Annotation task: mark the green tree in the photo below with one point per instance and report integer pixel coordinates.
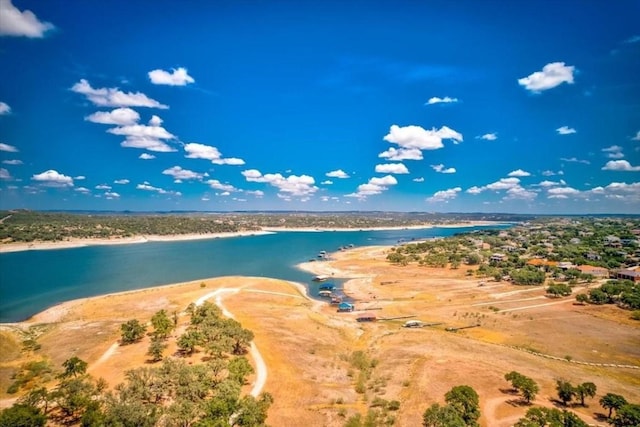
(541, 417)
(465, 401)
(238, 369)
(20, 415)
(584, 390)
(627, 416)
(73, 367)
(566, 392)
(523, 384)
(161, 323)
(612, 401)
(132, 331)
(582, 298)
(442, 416)
(559, 290)
(156, 348)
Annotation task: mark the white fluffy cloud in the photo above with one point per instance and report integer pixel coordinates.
(53, 178)
(119, 116)
(637, 137)
(178, 77)
(180, 174)
(396, 168)
(338, 173)
(503, 184)
(419, 179)
(4, 174)
(620, 165)
(142, 131)
(565, 130)
(519, 172)
(121, 181)
(103, 187)
(511, 186)
(375, 186)
(488, 136)
(146, 186)
(114, 97)
(292, 186)
(82, 190)
(8, 148)
(327, 182)
(217, 185)
(395, 154)
(441, 169)
(417, 137)
(146, 156)
(562, 192)
(614, 152)
(13, 22)
(445, 195)
(575, 160)
(437, 100)
(110, 195)
(552, 75)
(147, 143)
(4, 108)
(12, 162)
(200, 151)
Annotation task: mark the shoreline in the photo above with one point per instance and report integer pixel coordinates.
(79, 243)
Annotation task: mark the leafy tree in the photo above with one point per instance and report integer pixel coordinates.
(465, 401)
(132, 331)
(612, 401)
(582, 298)
(238, 369)
(161, 323)
(442, 416)
(188, 342)
(156, 348)
(541, 417)
(584, 390)
(252, 411)
(566, 392)
(627, 416)
(559, 289)
(523, 384)
(21, 415)
(73, 367)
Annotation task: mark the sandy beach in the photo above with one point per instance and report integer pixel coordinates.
(78, 243)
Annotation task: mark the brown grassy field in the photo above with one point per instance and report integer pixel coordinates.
(306, 344)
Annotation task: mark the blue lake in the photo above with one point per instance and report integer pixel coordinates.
(32, 281)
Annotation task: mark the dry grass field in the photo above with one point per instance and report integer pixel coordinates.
(307, 345)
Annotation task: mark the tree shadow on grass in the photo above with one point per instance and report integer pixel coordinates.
(518, 403)
(509, 391)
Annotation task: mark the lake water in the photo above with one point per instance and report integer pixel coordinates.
(32, 281)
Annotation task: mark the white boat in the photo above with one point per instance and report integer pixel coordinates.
(321, 278)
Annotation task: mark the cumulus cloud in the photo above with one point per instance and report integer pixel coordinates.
(488, 136)
(614, 152)
(121, 181)
(511, 186)
(441, 169)
(395, 154)
(256, 193)
(110, 195)
(200, 151)
(520, 193)
(396, 168)
(180, 174)
(445, 195)
(338, 173)
(503, 184)
(8, 148)
(146, 186)
(637, 137)
(178, 77)
(437, 100)
(103, 187)
(13, 22)
(114, 97)
(146, 156)
(374, 186)
(327, 182)
(4, 108)
(519, 172)
(147, 143)
(565, 130)
(5, 175)
(575, 160)
(547, 183)
(419, 138)
(552, 75)
(119, 116)
(292, 186)
(551, 173)
(82, 190)
(419, 179)
(620, 165)
(79, 177)
(142, 131)
(12, 162)
(562, 192)
(53, 178)
(217, 185)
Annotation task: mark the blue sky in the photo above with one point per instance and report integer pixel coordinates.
(465, 106)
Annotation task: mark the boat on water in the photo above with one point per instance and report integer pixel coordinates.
(325, 294)
(336, 299)
(321, 278)
(328, 287)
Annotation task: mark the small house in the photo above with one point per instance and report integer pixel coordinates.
(366, 317)
(345, 307)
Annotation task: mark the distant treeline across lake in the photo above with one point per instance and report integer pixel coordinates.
(32, 281)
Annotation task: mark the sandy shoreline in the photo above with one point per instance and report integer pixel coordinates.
(78, 243)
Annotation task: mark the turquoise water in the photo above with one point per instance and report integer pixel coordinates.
(32, 281)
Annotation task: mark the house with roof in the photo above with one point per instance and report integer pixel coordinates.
(597, 272)
(632, 274)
